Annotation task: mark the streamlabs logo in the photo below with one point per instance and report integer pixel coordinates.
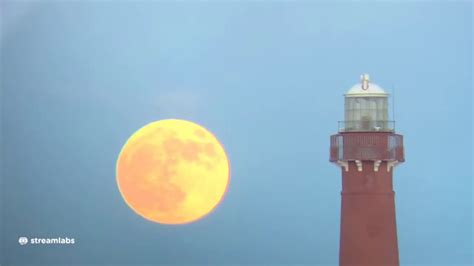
(46, 241)
(23, 240)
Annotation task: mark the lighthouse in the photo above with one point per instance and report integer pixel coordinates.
(367, 149)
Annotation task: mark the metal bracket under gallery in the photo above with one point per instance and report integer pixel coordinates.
(376, 164)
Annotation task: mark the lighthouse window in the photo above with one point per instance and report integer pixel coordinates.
(366, 113)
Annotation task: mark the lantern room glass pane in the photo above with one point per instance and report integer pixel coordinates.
(366, 113)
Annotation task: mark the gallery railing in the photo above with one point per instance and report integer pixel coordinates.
(366, 125)
(366, 146)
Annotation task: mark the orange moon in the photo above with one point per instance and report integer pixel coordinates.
(172, 172)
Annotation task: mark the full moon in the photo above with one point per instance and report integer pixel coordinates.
(172, 172)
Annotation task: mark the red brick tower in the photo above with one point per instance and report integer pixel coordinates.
(367, 149)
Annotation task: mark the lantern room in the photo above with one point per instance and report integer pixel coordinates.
(366, 108)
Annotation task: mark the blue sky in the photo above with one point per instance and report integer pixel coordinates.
(267, 78)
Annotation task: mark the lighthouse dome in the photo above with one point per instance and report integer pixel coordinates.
(366, 89)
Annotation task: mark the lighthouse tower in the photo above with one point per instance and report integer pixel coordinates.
(367, 149)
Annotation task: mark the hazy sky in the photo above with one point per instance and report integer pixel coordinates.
(267, 78)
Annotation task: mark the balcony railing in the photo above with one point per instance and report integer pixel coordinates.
(366, 125)
(366, 146)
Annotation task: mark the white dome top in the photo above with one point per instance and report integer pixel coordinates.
(366, 89)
